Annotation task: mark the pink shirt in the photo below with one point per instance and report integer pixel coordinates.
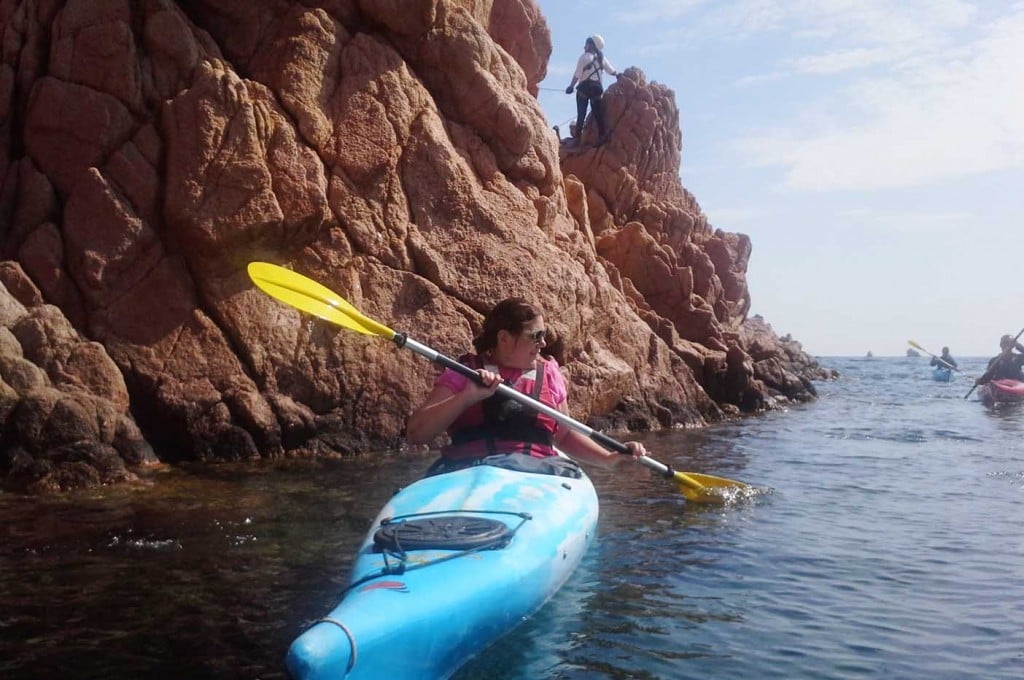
(552, 378)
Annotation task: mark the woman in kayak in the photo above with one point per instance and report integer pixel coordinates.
(481, 422)
(1007, 364)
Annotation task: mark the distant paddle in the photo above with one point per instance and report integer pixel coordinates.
(934, 356)
(303, 293)
(988, 372)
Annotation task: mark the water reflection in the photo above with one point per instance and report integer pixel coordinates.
(890, 549)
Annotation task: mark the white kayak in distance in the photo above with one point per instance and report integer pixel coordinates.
(452, 563)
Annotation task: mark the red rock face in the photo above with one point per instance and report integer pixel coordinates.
(393, 151)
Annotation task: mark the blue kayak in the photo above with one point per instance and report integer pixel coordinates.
(942, 374)
(452, 563)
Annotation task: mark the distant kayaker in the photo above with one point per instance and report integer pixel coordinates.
(1007, 364)
(589, 89)
(944, 361)
(482, 423)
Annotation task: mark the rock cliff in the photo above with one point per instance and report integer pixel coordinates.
(392, 150)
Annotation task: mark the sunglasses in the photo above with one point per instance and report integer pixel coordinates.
(538, 335)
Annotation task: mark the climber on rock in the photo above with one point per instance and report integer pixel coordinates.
(587, 81)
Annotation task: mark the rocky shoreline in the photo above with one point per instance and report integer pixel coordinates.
(399, 157)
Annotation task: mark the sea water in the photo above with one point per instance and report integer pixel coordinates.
(891, 547)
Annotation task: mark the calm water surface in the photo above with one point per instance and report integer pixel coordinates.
(891, 548)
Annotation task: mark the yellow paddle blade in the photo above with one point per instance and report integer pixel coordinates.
(314, 307)
(917, 346)
(711, 490)
(307, 295)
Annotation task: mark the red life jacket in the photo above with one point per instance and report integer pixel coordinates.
(502, 425)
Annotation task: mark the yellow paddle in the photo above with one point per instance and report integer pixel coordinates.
(944, 363)
(311, 297)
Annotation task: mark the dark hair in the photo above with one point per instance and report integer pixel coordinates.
(598, 52)
(511, 314)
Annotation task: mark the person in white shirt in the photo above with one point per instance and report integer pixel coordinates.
(587, 81)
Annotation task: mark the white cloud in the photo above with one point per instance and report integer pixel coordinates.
(889, 94)
(878, 22)
(937, 115)
(656, 11)
(835, 22)
(740, 20)
(845, 60)
(932, 224)
(732, 216)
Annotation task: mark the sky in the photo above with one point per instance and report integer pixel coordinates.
(873, 152)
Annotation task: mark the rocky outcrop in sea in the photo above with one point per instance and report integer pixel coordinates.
(393, 151)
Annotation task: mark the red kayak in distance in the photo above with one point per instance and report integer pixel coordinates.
(1001, 392)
